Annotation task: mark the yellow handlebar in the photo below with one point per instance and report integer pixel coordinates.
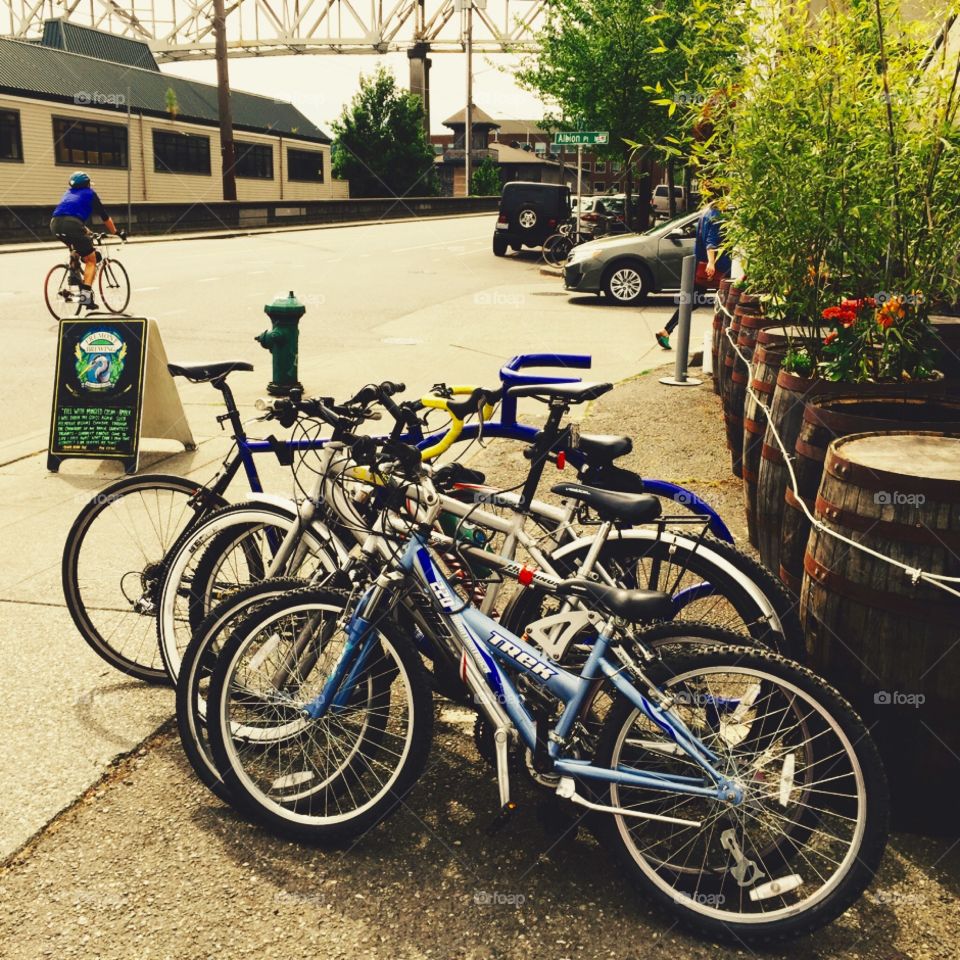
(434, 402)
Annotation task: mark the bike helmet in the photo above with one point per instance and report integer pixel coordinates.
(78, 180)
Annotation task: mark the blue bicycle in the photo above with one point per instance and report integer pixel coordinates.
(738, 789)
(117, 551)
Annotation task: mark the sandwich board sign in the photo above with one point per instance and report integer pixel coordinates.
(111, 387)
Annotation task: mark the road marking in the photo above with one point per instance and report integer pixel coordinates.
(209, 279)
(437, 243)
(145, 289)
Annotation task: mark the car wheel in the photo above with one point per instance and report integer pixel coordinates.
(527, 218)
(626, 284)
(499, 247)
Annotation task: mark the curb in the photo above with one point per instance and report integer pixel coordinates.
(245, 232)
(551, 272)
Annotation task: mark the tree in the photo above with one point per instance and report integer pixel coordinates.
(594, 64)
(379, 142)
(485, 180)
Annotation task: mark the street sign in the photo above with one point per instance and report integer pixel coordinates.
(582, 138)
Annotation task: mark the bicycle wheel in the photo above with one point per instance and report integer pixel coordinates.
(808, 834)
(230, 548)
(197, 665)
(114, 285)
(57, 295)
(710, 582)
(112, 561)
(334, 776)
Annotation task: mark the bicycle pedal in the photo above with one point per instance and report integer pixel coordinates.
(500, 820)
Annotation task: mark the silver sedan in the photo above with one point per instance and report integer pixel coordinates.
(628, 268)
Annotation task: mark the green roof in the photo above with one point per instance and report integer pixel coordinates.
(73, 38)
(34, 70)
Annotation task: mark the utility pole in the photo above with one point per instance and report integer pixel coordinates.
(468, 131)
(227, 152)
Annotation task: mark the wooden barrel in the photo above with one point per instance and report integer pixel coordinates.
(829, 418)
(731, 328)
(752, 321)
(789, 399)
(723, 292)
(729, 363)
(888, 642)
(770, 350)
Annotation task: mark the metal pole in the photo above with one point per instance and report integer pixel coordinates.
(468, 130)
(579, 185)
(129, 161)
(687, 275)
(227, 153)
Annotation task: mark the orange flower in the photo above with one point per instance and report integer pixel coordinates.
(830, 337)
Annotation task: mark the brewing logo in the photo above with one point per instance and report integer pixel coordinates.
(100, 355)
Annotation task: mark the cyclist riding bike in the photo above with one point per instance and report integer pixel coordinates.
(68, 224)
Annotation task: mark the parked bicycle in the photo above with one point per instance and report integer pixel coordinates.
(556, 248)
(61, 288)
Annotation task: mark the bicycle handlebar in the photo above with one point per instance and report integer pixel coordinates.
(509, 371)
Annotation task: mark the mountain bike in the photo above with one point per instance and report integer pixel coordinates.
(116, 548)
(736, 788)
(61, 287)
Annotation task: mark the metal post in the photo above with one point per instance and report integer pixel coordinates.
(687, 293)
(129, 163)
(227, 150)
(579, 185)
(468, 131)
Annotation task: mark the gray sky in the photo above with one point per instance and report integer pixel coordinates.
(320, 85)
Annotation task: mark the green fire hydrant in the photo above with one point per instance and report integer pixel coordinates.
(282, 340)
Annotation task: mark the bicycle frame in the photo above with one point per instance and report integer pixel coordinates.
(485, 648)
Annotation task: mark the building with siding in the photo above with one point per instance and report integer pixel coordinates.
(84, 99)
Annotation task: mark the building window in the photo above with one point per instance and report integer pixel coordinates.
(599, 186)
(540, 149)
(586, 165)
(11, 146)
(615, 186)
(180, 153)
(601, 166)
(615, 166)
(305, 165)
(254, 160)
(82, 143)
(554, 149)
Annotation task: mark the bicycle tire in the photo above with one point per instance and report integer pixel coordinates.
(115, 295)
(836, 722)
(306, 816)
(57, 306)
(197, 665)
(751, 590)
(235, 521)
(140, 659)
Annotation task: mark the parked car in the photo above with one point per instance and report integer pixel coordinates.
(628, 268)
(660, 200)
(603, 215)
(529, 213)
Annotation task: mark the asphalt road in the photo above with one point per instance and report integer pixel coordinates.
(415, 301)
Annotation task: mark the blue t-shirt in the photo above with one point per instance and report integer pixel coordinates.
(80, 203)
(710, 236)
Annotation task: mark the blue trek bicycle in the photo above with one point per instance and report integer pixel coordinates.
(736, 788)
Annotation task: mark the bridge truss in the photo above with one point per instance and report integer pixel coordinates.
(183, 29)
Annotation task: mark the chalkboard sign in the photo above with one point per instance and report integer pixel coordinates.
(98, 390)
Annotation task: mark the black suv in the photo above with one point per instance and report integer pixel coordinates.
(529, 213)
